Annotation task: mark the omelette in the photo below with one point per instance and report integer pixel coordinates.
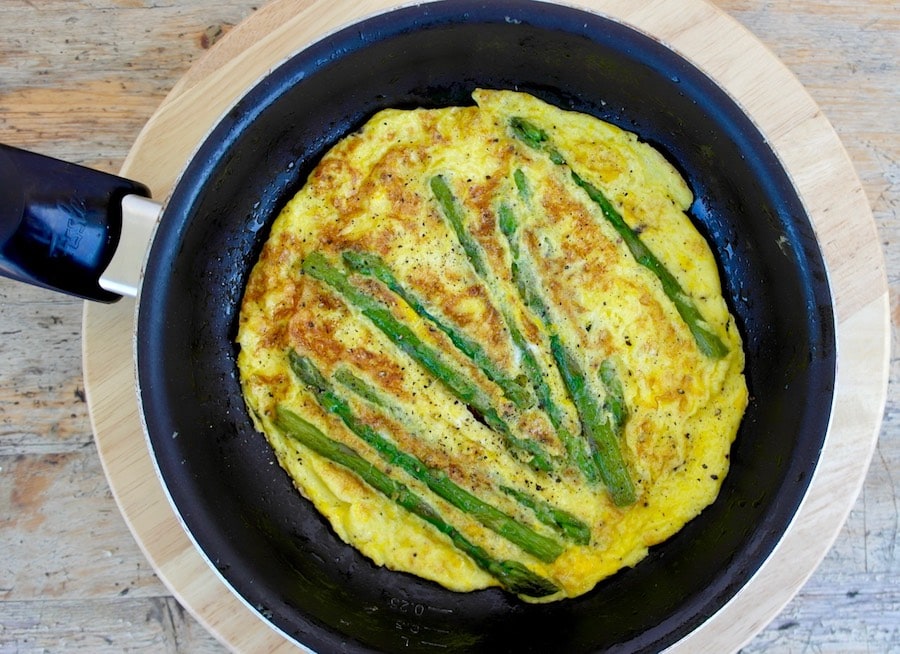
(490, 347)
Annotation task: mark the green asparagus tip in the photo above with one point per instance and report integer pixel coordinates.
(518, 579)
(454, 215)
(306, 371)
(562, 521)
(360, 387)
(710, 344)
(507, 220)
(614, 403)
(312, 261)
(528, 131)
(536, 138)
(366, 264)
(522, 184)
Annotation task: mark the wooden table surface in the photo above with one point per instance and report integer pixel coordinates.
(79, 78)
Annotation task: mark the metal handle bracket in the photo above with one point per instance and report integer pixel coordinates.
(139, 218)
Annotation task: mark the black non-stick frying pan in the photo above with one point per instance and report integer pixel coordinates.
(242, 511)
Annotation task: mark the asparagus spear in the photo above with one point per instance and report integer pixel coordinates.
(525, 284)
(512, 575)
(453, 214)
(708, 342)
(522, 184)
(597, 424)
(373, 266)
(563, 522)
(361, 388)
(318, 267)
(544, 548)
(448, 203)
(536, 138)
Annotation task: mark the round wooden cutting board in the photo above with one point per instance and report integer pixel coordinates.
(728, 53)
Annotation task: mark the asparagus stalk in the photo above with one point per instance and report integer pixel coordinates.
(372, 265)
(597, 424)
(318, 267)
(563, 522)
(536, 138)
(362, 389)
(708, 342)
(544, 548)
(524, 282)
(453, 214)
(512, 575)
(522, 184)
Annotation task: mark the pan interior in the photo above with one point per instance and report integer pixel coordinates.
(268, 543)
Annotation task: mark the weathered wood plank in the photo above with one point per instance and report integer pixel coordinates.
(151, 624)
(80, 79)
(40, 347)
(63, 536)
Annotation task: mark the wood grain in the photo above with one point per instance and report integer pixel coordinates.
(79, 80)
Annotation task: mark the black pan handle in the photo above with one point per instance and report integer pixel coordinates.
(60, 223)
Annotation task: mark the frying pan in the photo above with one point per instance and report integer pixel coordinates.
(266, 541)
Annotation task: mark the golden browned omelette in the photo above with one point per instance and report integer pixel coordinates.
(489, 346)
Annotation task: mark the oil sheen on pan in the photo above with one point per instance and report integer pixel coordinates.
(488, 344)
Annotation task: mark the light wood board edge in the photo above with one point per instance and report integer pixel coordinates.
(800, 135)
